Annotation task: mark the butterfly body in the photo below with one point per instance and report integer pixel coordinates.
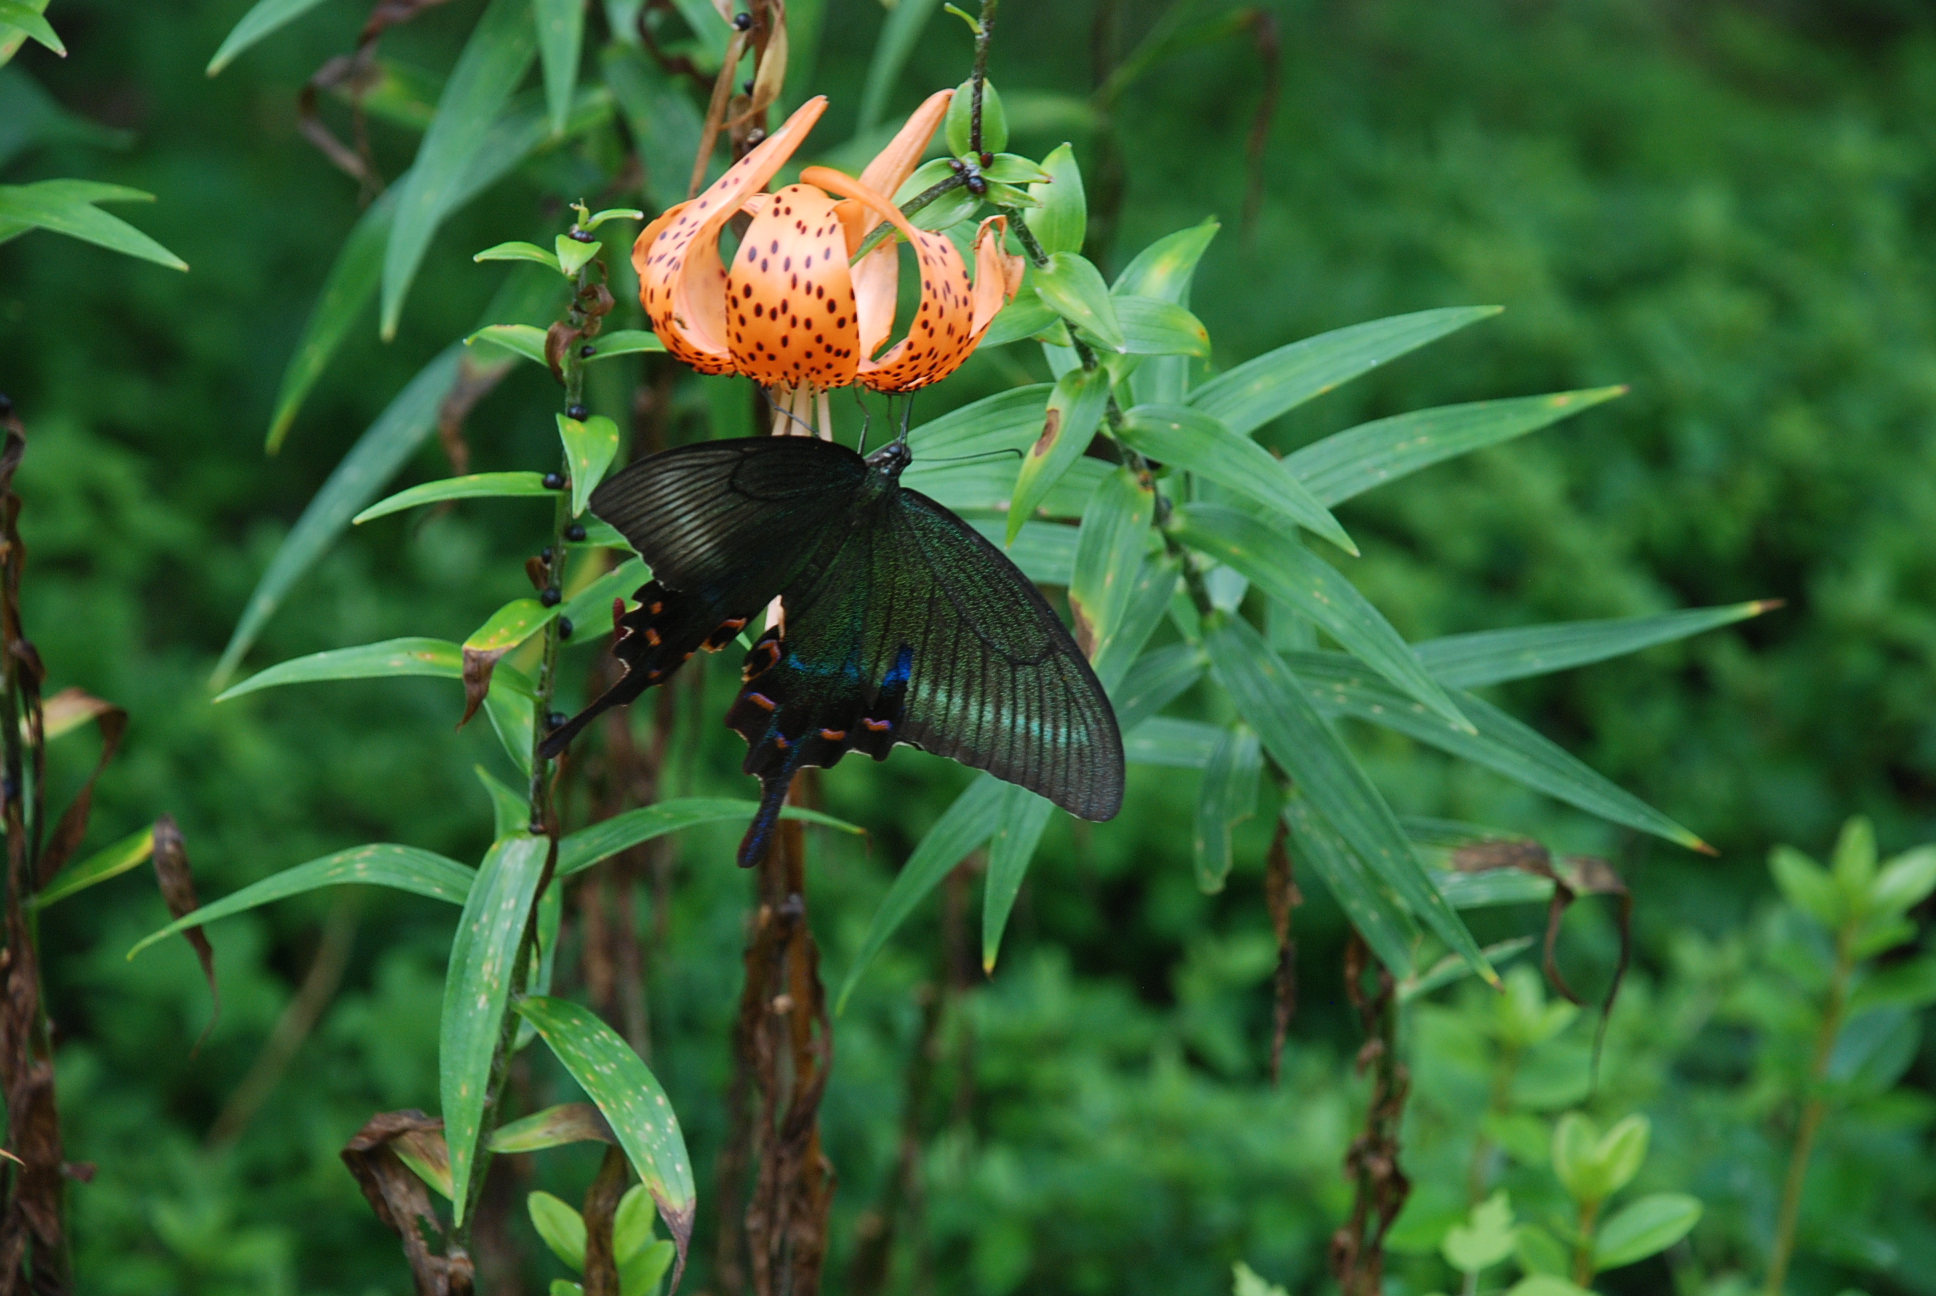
(900, 623)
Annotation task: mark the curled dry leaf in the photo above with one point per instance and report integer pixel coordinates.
(177, 886)
(1573, 877)
(68, 833)
(399, 1200)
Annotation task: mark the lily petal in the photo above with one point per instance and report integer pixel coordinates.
(681, 281)
(941, 334)
(790, 297)
(998, 274)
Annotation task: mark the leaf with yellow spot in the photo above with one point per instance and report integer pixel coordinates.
(1069, 424)
(1075, 289)
(590, 447)
(629, 1097)
(477, 988)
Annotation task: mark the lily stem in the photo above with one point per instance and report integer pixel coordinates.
(544, 818)
(1113, 415)
(985, 29)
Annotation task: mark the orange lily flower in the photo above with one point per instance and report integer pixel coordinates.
(792, 313)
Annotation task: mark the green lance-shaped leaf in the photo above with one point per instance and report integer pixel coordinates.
(130, 852)
(519, 250)
(969, 822)
(1259, 390)
(1008, 420)
(1227, 794)
(1163, 270)
(590, 607)
(1025, 317)
(477, 990)
(404, 868)
(621, 342)
(590, 447)
(1069, 425)
(1504, 886)
(1061, 223)
(1159, 328)
(1340, 686)
(510, 626)
(899, 33)
(1109, 555)
(265, 18)
(354, 276)
(608, 837)
(1643, 1228)
(1284, 569)
(510, 811)
(13, 38)
(1172, 742)
(630, 1099)
(1149, 600)
(1349, 463)
(987, 485)
(67, 207)
(1274, 702)
(494, 485)
(512, 707)
(1023, 819)
(495, 58)
(573, 255)
(391, 657)
(27, 19)
(1045, 552)
(1199, 443)
(1076, 290)
(382, 449)
(1367, 899)
(1157, 679)
(1494, 656)
(561, 1228)
(561, 36)
(553, 1127)
(527, 340)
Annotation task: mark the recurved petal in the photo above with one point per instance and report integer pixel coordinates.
(998, 274)
(681, 282)
(876, 289)
(894, 164)
(941, 334)
(790, 298)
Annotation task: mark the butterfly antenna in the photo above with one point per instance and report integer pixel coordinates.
(866, 419)
(907, 416)
(984, 454)
(774, 405)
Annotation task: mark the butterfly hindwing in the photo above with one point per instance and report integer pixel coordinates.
(998, 683)
(915, 629)
(724, 526)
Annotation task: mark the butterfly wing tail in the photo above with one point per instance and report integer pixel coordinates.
(626, 690)
(759, 833)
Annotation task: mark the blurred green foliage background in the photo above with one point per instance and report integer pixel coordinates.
(1730, 206)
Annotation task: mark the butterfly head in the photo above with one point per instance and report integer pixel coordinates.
(891, 459)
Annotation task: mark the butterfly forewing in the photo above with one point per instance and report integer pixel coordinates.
(724, 526)
(997, 681)
(730, 511)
